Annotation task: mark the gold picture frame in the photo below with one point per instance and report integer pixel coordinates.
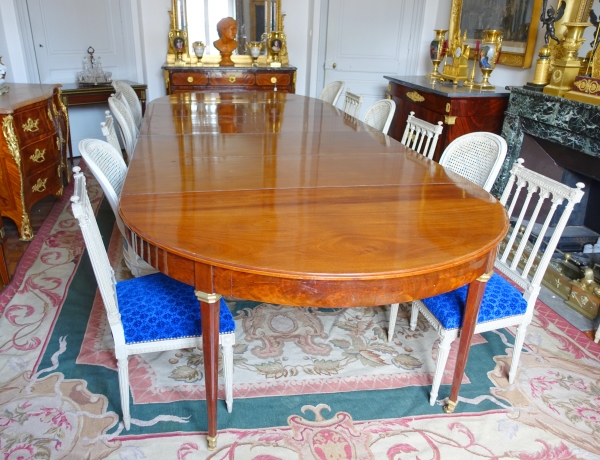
(519, 55)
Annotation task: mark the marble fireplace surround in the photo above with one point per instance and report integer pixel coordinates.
(573, 124)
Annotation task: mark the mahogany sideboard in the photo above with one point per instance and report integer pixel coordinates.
(72, 94)
(182, 79)
(32, 150)
(462, 110)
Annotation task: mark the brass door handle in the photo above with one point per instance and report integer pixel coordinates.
(334, 65)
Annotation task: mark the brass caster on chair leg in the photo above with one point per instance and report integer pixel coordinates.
(449, 407)
(212, 442)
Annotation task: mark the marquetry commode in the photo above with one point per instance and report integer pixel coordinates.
(32, 150)
(181, 79)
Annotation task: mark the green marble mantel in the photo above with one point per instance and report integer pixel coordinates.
(575, 125)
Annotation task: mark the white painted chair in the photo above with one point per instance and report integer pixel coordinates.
(167, 310)
(331, 93)
(352, 103)
(126, 124)
(476, 156)
(133, 101)
(108, 130)
(110, 170)
(421, 136)
(518, 259)
(380, 115)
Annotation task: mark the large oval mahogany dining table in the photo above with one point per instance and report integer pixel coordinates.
(284, 199)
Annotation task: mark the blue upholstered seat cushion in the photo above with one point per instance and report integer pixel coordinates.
(156, 307)
(500, 300)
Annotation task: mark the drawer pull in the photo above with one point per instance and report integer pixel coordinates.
(40, 186)
(273, 80)
(190, 79)
(232, 78)
(31, 126)
(38, 156)
(414, 96)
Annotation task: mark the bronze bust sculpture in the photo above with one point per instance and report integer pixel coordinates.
(227, 29)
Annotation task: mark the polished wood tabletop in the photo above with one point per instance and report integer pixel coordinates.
(282, 198)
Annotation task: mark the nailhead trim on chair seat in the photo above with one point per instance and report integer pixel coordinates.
(500, 300)
(143, 305)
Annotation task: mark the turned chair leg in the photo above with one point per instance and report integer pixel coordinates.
(519, 339)
(123, 365)
(443, 352)
(414, 316)
(227, 342)
(392, 323)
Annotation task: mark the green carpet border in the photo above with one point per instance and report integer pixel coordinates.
(248, 413)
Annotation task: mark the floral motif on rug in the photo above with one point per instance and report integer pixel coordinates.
(558, 386)
(466, 436)
(31, 303)
(53, 418)
(284, 351)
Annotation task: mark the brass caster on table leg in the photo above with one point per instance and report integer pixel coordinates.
(212, 442)
(449, 408)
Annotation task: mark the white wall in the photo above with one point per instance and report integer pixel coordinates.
(154, 19)
(301, 26)
(10, 43)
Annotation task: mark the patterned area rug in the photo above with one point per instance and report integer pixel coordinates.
(308, 383)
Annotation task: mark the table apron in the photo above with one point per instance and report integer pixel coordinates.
(312, 292)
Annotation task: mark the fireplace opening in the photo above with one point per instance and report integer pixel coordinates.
(569, 167)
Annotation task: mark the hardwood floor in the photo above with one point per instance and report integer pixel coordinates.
(13, 246)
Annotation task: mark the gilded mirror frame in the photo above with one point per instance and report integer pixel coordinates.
(179, 19)
(507, 58)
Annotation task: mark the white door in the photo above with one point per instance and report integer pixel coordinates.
(367, 39)
(62, 31)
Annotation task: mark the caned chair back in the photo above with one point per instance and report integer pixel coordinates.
(133, 101)
(110, 171)
(331, 93)
(352, 104)
(421, 136)
(108, 167)
(476, 156)
(108, 130)
(520, 257)
(125, 122)
(380, 115)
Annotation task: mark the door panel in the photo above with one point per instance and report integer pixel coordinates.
(369, 39)
(63, 30)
